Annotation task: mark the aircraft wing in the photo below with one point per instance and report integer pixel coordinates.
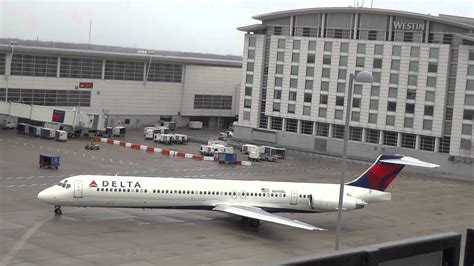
(260, 214)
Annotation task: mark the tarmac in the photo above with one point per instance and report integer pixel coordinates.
(30, 233)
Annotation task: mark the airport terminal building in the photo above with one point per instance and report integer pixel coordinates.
(132, 87)
(295, 75)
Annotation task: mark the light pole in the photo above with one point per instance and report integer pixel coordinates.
(12, 45)
(151, 53)
(363, 77)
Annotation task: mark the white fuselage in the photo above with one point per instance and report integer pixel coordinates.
(183, 193)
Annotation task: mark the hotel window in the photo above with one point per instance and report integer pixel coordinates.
(430, 96)
(295, 58)
(415, 52)
(360, 61)
(293, 83)
(338, 114)
(390, 121)
(311, 58)
(292, 96)
(322, 112)
(247, 103)
(344, 47)
(396, 50)
(408, 141)
(413, 66)
(373, 119)
(374, 105)
(294, 70)
(392, 106)
(468, 100)
(408, 122)
(250, 66)
(376, 76)
(356, 103)
(427, 124)
(466, 129)
(470, 70)
(307, 127)
(338, 132)
(322, 129)
(323, 99)
(361, 48)
(410, 108)
(395, 64)
(280, 56)
(372, 136)
(326, 73)
(468, 114)
(296, 44)
(312, 45)
(276, 107)
(412, 80)
(408, 36)
(276, 125)
(429, 110)
(434, 52)
(343, 61)
(326, 60)
(390, 138)
(339, 100)
(411, 94)
(327, 46)
(471, 55)
(249, 79)
(308, 85)
(277, 94)
(393, 78)
(279, 69)
(308, 97)
(278, 81)
(309, 71)
(324, 86)
(291, 108)
(251, 54)
(358, 89)
(392, 92)
(378, 49)
(252, 41)
(374, 91)
(306, 110)
(433, 68)
(342, 74)
(248, 91)
(281, 43)
(377, 63)
(470, 85)
(431, 82)
(341, 87)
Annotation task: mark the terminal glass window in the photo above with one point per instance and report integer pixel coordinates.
(307, 127)
(396, 50)
(2, 63)
(434, 52)
(216, 102)
(355, 133)
(408, 141)
(123, 70)
(82, 68)
(390, 138)
(160, 72)
(378, 49)
(427, 143)
(64, 98)
(291, 125)
(277, 123)
(338, 132)
(34, 65)
(372, 136)
(322, 129)
(344, 47)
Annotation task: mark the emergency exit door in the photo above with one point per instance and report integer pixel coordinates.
(294, 198)
(78, 189)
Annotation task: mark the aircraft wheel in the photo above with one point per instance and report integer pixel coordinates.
(57, 210)
(254, 222)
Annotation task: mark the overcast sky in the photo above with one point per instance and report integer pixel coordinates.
(206, 26)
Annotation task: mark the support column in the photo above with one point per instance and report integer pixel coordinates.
(144, 71)
(103, 69)
(269, 122)
(298, 130)
(314, 128)
(381, 137)
(8, 64)
(323, 24)
(331, 128)
(390, 28)
(417, 142)
(283, 124)
(58, 67)
(399, 139)
(364, 134)
(436, 148)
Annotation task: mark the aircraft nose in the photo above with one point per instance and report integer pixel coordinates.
(46, 195)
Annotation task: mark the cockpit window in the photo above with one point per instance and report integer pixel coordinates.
(60, 184)
(68, 185)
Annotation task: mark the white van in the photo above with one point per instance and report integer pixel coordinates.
(150, 133)
(245, 148)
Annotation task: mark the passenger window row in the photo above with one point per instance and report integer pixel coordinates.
(123, 190)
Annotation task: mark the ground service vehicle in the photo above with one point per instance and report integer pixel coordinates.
(245, 148)
(181, 139)
(22, 128)
(226, 157)
(92, 146)
(280, 153)
(165, 138)
(49, 161)
(197, 125)
(150, 132)
(61, 135)
(119, 131)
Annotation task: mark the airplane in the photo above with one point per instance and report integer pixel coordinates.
(252, 200)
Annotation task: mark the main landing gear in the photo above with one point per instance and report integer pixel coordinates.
(57, 210)
(251, 222)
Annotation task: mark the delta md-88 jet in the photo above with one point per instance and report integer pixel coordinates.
(252, 200)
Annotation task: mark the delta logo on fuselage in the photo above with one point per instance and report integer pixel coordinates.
(117, 184)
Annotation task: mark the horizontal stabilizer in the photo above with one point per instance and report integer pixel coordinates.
(405, 160)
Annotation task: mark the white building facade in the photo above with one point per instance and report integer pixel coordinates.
(181, 87)
(295, 75)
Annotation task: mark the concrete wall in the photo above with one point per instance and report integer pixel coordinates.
(358, 150)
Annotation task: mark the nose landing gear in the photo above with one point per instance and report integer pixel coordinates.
(57, 210)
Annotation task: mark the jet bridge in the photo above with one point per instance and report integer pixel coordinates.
(48, 114)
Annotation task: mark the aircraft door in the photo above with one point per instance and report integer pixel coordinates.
(78, 189)
(294, 197)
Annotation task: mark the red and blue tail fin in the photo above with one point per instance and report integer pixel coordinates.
(385, 169)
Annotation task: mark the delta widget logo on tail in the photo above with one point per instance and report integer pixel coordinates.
(93, 184)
